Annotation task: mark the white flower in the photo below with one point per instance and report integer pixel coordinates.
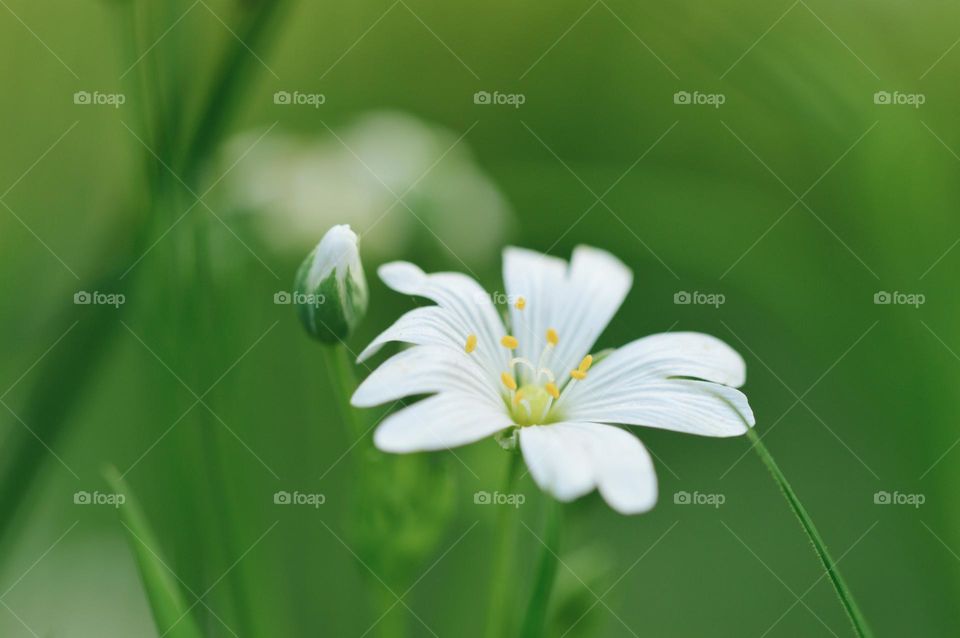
(293, 187)
(541, 378)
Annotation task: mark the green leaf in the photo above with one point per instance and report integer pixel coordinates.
(171, 613)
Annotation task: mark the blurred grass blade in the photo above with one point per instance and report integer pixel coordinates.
(170, 611)
(839, 585)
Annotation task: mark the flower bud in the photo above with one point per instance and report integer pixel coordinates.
(330, 291)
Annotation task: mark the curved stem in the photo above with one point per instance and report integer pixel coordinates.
(534, 625)
(503, 553)
(843, 592)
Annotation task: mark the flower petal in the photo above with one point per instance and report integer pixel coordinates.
(681, 405)
(443, 421)
(425, 370)
(466, 309)
(577, 301)
(427, 325)
(569, 459)
(672, 354)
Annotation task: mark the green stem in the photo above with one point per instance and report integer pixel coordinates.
(843, 592)
(393, 623)
(343, 377)
(534, 625)
(504, 552)
(224, 96)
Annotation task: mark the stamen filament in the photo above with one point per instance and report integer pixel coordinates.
(522, 361)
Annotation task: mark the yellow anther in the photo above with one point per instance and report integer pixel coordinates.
(581, 372)
(509, 342)
(471, 344)
(586, 363)
(552, 337)
(518, 397)
(508, 380)
(521, 303)
(552, 390)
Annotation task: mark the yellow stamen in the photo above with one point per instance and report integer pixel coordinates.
(586, 363)
(508, 380)
(509, 342)
(521, 304)
(471, 344)
(552, 337)
(552, 390)
(581, 372)
(517, 397)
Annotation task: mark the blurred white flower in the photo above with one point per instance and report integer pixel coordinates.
(540, 379)
(296, 187)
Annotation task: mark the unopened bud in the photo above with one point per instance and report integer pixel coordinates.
(330, 289)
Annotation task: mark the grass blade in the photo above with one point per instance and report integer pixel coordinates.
(170, 610)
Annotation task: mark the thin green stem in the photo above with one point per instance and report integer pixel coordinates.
(343, 381)
(392, 618)
(535, 622)
(223, 98)
(503, 554)
(343, 378)
(843, 592)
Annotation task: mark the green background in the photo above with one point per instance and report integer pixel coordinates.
(852, 397)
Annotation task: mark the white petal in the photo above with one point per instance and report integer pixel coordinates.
(467, 308)
(577, 301)
(439, 422)
(694, 407)
(569, 459)
(557, 460)
(422, 326)
(425, 370)
(673, 354)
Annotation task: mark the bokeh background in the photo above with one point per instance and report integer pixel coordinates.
(798, 200)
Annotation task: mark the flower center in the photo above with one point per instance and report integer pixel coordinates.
(536, 401)
(531, 404)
